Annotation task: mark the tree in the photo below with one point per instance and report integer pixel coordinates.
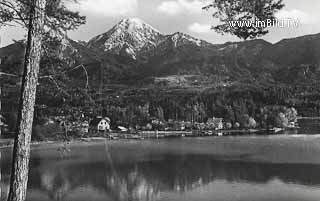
(57, 17)
(229, 11)
(160, 113)
(228, 125)
(282, 120)
(21, 151)
(244, 120)
(291, 114)
(252, 123)
(36, 16)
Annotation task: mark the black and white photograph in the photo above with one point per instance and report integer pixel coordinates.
(159, 100)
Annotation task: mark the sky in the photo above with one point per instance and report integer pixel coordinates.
(169, 16)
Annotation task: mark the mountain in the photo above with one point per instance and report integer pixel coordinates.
(129, 37)
(298, 59)
(295, 51)
(133, 51)
(134, 38)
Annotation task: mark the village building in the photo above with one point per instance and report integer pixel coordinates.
(100, 124)
(215, 123)
(2, 124)
(84, 127)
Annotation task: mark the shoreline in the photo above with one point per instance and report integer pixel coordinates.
(8, 143)
(148, 135)
(77, 142)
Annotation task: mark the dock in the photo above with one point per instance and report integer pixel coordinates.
(164, 134)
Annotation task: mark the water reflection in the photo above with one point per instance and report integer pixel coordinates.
(86, 175)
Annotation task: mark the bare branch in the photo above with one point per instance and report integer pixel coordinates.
(64, 72)
(58, 87)
(87, 76)
(8, 74)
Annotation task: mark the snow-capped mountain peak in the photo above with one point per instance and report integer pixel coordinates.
(129, 35)
(135, 24)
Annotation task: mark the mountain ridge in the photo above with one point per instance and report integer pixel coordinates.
(134, 50)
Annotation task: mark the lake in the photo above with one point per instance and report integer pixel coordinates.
(252, 168)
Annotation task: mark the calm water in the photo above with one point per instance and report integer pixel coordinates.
(277, 168)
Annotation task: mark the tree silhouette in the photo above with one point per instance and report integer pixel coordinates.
(244, 10)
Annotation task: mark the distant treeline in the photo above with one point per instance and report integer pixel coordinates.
(265, 103)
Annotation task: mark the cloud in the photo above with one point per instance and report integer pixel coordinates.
(199, 28)
(169, 7)
(109, 8)
(295, 14)
(179, 6)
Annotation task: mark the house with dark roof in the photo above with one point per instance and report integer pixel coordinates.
(100, 124)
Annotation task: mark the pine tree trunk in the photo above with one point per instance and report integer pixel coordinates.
(21, 151)
(0, 104)
(1, 120)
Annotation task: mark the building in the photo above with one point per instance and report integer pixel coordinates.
(100, 124)
(84, 128)
(219, 123)
(2, 124)
(215, 123)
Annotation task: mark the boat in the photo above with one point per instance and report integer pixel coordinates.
(276, 130)
(253, 130)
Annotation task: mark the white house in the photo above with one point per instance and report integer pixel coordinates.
(101, 123)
